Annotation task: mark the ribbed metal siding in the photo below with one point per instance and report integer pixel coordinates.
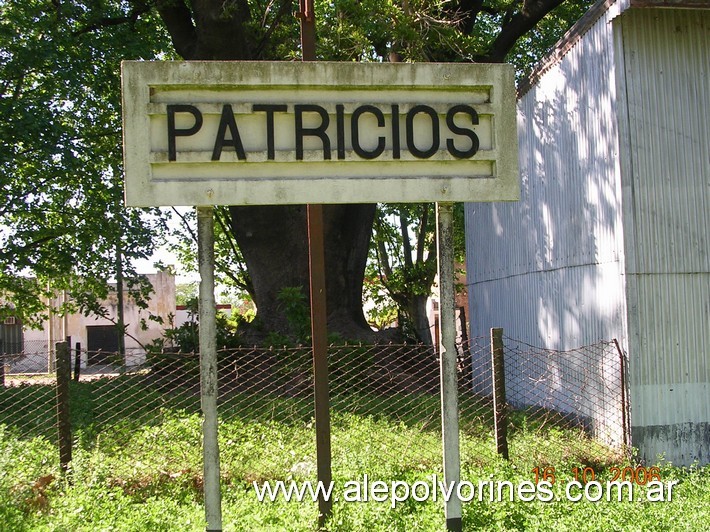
(548, 268)
(667, 59)
(667, 82)
(551, 269)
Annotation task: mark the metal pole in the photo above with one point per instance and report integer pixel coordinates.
(63, 412)
(500, 404)
(308, 30)
(624, 401)
(319, 330)
(208, 368)
(319, 334)
(447, 354)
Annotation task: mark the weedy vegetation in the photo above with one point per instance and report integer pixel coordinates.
(143, 470)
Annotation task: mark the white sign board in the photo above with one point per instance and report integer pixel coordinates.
(247, 133)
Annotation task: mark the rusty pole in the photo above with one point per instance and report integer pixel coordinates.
(63, 409)
(319, 331)
(500, 405)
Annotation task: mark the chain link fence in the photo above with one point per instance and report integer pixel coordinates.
(581, 391)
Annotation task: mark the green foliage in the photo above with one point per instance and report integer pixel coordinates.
(63, 223)
(185, 292)
(146, 473)
(297, 312)
(186, 337)
(422, 31)
(402, 264)
(230, 268)
(531, 48)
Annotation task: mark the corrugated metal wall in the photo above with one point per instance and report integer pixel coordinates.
(666, 166)
(611, 236)
(549, 268)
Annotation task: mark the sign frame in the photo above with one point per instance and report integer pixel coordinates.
(192, 178)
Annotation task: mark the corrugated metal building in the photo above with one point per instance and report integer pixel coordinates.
(611, 238)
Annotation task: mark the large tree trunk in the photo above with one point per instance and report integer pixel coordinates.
(416, 308)
(273, 239)
(274, 243)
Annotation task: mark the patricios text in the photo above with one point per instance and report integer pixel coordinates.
(366, 130)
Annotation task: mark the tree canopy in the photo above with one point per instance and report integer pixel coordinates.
(62, 222)
(62, 218)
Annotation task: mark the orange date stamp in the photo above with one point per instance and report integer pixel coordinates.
(636, 475)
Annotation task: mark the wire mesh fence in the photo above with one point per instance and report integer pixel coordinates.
(394, 389)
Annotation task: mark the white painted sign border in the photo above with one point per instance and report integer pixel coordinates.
(192, 179)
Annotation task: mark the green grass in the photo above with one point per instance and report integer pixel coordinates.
(139, 468)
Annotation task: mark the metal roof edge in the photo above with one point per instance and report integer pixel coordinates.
(570, 39)
(566, 43)
(680, 4)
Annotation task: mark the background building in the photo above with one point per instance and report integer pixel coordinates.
(98, 336)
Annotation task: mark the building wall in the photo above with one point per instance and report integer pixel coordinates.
(549, 269)
(536, 267)
(161, 303)
(10, 336)
(665, 73)
(610, 238)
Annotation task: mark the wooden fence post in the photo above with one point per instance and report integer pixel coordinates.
(500, 415)
(63, 420)
(625, 424)
(77, 362)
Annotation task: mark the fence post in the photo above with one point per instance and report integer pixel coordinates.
(626, 431)
(2, 370)
(77, 361)
(500, 415)
(63, 420)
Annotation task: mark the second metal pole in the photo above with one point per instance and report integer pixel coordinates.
(447, 354)
(319, 329)
(319, 334)
(208, 368)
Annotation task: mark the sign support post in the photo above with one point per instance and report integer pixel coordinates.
(447, 355)
(208, 368)
(319, 334)
(319, 328)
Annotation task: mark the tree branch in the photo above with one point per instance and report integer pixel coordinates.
(406, 244)
(185, 224)
(22, 250)
(105, 22)
(220, 216)
(245, 283)
(285, 8)
(421, 239)
(466, 14)
(518, 25)
(382, 257)
(222, 29)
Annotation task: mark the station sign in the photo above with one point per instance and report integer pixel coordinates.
(269, 133)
